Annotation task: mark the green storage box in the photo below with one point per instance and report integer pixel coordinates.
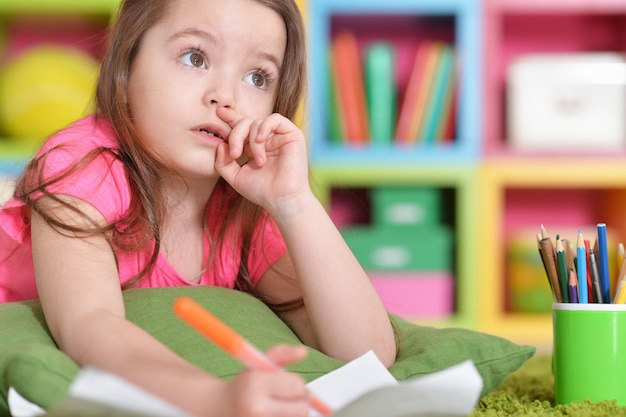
(402, 249)
(406, 206)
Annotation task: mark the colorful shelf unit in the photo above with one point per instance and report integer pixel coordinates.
(29, 23)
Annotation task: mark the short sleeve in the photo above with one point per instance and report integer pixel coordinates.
(85, 156)
(268, 246)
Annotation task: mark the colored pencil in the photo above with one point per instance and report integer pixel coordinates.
(595, 276)
(581, 268)
(617, 276)
(562, 268)
(603, 263)
(546, 249)
(590, 291)
(621, 276)
(573, 287)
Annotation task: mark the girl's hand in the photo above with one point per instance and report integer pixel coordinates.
(267, 394)
(277, 161)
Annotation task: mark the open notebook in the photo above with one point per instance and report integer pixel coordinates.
(361, 388)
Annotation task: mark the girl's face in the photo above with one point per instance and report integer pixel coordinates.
(202, 55)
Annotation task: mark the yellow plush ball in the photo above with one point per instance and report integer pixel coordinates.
(44, 89)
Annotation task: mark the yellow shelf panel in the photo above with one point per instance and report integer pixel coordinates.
(562, 172)
(59, 6)
(522, 329)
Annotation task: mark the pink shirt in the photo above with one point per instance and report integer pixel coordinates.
(103, 184)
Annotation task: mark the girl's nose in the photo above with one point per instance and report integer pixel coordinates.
(220, 92)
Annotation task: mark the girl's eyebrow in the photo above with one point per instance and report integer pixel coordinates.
(198, 33)
(270, 57)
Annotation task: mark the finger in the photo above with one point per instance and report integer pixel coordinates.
(239, 137)
(275, 394)
(292, 409)
(283, 355)
(275, 123)
(256, 144)
(227, 167)
(229, 115)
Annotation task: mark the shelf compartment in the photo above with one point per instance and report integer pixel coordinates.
(28, 24)
(352, 189)
(403, 24)
(514, 28)
(565, 195)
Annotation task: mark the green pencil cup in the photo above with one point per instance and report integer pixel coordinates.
(589, 357)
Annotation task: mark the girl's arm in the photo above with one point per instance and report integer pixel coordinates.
(82, 301)
(344, 316)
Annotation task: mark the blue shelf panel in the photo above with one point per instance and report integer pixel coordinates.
(325, 153)
(466, 18)
(11, 168)
(328, 7)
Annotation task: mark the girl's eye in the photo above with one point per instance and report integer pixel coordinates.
(194, 59)
(257, 79)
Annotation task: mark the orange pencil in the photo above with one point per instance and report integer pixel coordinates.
(232, 342)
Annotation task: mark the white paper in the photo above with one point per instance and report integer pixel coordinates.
(449, 393)
(95, 393)
(361, 388)
(365, 388)
(20, 406)
(345, 384)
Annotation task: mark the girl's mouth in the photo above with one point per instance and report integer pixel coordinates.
(207, 132)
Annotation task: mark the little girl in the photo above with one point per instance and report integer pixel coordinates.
(190, 173)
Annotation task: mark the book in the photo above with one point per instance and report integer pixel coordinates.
(447, 128)
(361, 388)
(380, 90)
(348, 75)
(439, 92)
(412, 109)
(336, 130)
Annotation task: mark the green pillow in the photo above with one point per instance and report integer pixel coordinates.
(30, 361)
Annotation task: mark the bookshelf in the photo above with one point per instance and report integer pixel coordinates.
(522, 189)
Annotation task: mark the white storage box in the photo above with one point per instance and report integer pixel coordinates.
(567, 102)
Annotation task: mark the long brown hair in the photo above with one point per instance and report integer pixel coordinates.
(144, 170)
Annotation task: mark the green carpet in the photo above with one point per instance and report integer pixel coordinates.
(529, 391)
